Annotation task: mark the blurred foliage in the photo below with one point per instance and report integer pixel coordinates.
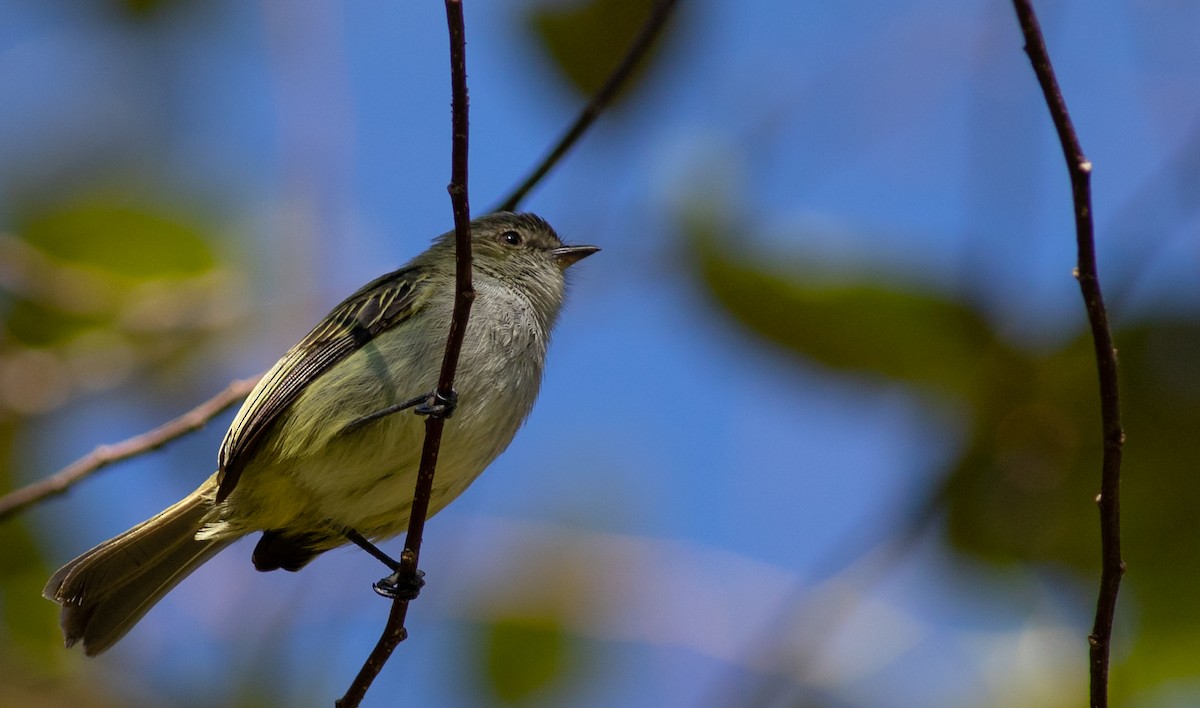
(94, 289)
(22, 576)
(143, 13)
(523, 655)
(586, 40)
(141, 8)
(915, 337)
(91, 293)
(26, 683)
(119, 237)
(526, 648)
(1022, 490)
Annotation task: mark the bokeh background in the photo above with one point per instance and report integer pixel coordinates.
(819, 425)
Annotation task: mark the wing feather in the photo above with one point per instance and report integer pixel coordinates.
(378, 306)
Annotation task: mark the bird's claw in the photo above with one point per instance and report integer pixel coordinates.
(395, 587)
(438, 405)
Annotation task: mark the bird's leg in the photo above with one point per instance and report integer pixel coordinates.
(384, 412)
(432, 403)
(399, 585)
(359, 540)
(395, 586)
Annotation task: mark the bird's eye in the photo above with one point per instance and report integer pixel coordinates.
(512, 238)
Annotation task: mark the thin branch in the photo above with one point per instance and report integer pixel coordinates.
(862, 563)
(464, 295)
(1080, 169)
(18, 500)
(637, 50)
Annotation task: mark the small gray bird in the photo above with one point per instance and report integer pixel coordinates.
(309, 461)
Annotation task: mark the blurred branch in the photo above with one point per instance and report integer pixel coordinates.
(18, 500)
(464, 295)
(641, 44)
(852, 561)
(1080, 169)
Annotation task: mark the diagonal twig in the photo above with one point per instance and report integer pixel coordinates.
(464, 294)
(1109, 501)
(637, 50)
(18, 500)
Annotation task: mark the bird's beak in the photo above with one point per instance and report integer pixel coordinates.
(569, 255)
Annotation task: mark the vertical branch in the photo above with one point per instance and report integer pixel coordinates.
(1080, 169)
(464, 294)
(637, 50)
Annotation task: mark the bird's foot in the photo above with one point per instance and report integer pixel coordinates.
(399, 587)
(438, 405)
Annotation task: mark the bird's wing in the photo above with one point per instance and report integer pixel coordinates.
(378, 306)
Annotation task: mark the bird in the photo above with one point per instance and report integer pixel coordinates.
(322, 451)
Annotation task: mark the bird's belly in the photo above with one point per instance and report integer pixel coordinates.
(364, 479)
(322, 471)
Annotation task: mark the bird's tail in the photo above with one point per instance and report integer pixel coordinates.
(105, 591)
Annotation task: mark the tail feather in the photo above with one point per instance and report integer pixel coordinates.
(105, 591)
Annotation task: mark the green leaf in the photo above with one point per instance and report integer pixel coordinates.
(524, 655)
(858, 326)
(123, 239)
(586, 40)
(88, 257)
